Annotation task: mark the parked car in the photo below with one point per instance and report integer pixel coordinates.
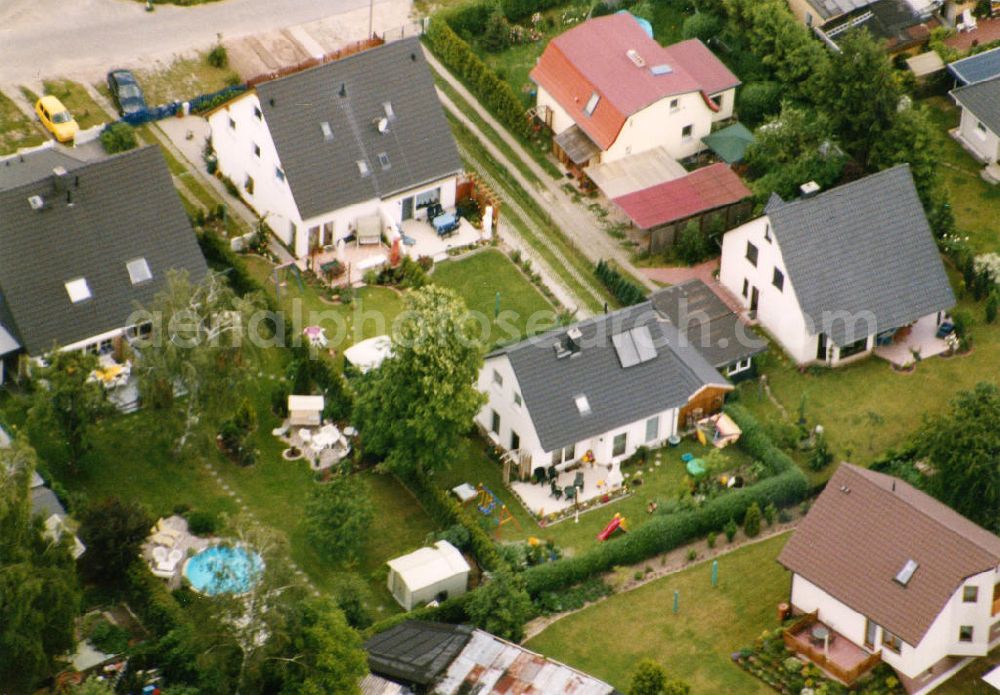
(56, 118)
(126, 92)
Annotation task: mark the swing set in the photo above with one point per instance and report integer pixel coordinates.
(488, 503)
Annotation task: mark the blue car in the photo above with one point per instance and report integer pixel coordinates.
(126, 92)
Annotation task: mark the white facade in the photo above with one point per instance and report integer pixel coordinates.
(247, 155)
(980, 140)
(506, 419)
(428, 574)
(677, 123)
(777, 309)
(946, 636)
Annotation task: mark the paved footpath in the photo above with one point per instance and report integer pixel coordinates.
(577, 223)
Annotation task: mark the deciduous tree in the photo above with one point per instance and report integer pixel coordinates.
(338, 515)
(501, 606)
(113, 531)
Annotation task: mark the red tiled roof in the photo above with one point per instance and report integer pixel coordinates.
(859, 535)
(592, 57)
(700, 191)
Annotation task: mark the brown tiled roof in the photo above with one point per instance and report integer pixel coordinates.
(863, 529)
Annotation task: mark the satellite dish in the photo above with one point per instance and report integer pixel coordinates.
(383, 125)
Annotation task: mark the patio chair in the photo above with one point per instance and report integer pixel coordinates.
(570, 492)
(687, 457)
(555, 490)
(578, 480)
(553, 473)
(539, 475)
(163, 539)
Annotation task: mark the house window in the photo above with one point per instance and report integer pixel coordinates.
(778, 280)
(870, 629)
(232, 124)
(138, 271)
(738, 367)
(653, 429)
(965, 633)
(891, 642)
(752, 253)
(855, 348)
(515, 441)
(767, 233)
(257, 113)
(517, 399)
(248, 184)
(675, 104)
(279, 174)
(619, 444)
(427, 198)
(497, 379)
(970, 594)
(495, 422)
(686, 132)
(746, 288)
(717, 100)
(567, 453)
(256, 150)
(592, 104)
(980, 129)
(78, 290)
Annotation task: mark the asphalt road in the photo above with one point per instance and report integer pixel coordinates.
(82, 38)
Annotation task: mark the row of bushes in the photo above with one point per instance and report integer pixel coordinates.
(469, 19)
(221, 258)
(787, 486)
(625, 291)
(151, 601)
(496, 94)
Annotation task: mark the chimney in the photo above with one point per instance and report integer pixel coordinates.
(59, 179)
(808, 190)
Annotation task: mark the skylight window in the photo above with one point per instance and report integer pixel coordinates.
(389, 113)
(327, 131)
(661, 69)
(138, 271)
(582, 404)
(592, 104)
(363, 168)
(905, 574)
(78, 290)
(383, 160)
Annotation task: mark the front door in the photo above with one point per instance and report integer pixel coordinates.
(754, 297)
(821, 347)
(407, 208)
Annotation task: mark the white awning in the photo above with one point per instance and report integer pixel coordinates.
(305, 403)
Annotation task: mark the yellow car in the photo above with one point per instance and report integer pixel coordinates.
(56, 118)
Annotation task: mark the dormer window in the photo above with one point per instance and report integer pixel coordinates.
(78, 290)
(138, 271)
(592, 104)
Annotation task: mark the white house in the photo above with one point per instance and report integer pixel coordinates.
(602, 387)
(831, 274)
(979, 128)
(83, 245)
(898, 574)
(609, 91)
(428, 574)
(318, 151)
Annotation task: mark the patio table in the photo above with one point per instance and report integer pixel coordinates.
(820, 633)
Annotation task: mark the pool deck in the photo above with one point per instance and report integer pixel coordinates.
(186, 542)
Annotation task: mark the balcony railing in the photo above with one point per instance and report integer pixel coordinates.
(797, 640)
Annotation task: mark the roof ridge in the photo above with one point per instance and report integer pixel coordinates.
(85, 166)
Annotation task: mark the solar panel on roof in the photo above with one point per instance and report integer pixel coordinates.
(643, 343)
(628, 355)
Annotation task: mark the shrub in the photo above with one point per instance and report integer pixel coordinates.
(202, 523)
(501, 606)
(770, 513)
(149, 598)
(692, 246)
(118, 137)
(758, 101)
(821, 456)
(992, 305)
(457, 535)
(623, 290)
(710, 539)
(109, 638)
(692, 555)
(730, 530)
(751, 521)
(218, 57)
(701, 25)
(962, 320)
(496, 34)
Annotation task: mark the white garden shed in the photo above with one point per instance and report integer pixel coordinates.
(427, 574)
(305, 411)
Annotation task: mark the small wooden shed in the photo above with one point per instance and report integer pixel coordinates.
(305, 411)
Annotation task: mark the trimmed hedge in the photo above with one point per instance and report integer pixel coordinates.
(446, 511)
(496, 94)
(785, 487)
(450, 610)
(469, 19)
(626, 292)
(220, 257)
(149, 598)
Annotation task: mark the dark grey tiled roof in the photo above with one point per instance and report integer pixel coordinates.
(707, 323)
(124, 207)
(416, 652)
(20, 169)
(977, 68)
(323, 174)
(982, 99)
(617, 396)
(864, 248)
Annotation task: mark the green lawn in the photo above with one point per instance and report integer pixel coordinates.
(183, 79)
(74, 97)
(969, 681)
(694, 645)
(16, 129)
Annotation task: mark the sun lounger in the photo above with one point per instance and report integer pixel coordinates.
(163, 539)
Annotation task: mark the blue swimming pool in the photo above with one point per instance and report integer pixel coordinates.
(224, 569)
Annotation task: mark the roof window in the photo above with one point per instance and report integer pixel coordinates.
(904, 575)
(327, 131)
(138, 271)
(78, 290)
(592, 104)
(582, 404)
(363, 168)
